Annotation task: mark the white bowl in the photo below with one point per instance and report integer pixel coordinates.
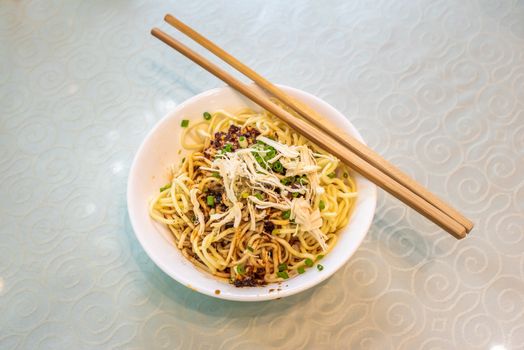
(149, 172)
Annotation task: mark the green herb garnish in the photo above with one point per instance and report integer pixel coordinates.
(283, 274)
(207, 116)
(259, 196)
(241, 269)
(259, 160)
(242, 142)
(163, 188)
(320, 267)
(215, 174)
(286, 181)
(320, 256)
(282, 267)
(184, 123)
(301, 270)
(277, 166)
(210, 201)
(271, 153)
(286, 214)
(250, 249)
(308, 262)
(331, 175)
(321, 205)
(228, 148)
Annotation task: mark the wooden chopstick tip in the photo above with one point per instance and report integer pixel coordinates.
(160, 35)
(154, 31)
(460, 234)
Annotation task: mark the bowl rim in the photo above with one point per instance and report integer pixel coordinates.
(372, 196)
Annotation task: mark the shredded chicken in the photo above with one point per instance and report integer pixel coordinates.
(240, 169)
(196, 209)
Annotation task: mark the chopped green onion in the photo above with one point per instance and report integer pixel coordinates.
(286, 214)
(282, 267)
(321, 205)
(210, 201)
(320, 267)
(163, 188)
(346, 175)
(303, 180)
(259, 159)
(228, 148)
(207, 116)
(183, 160)
(250, 249)
(271, 153)
(301, 270)
(259, 196)
(184, 123)
(277, 166)
(283, 274)
(308, 262)
(274, 232)
(242, 141)
(241, 269)
(320, 256)
(245, 195)
(332, 175)
(215, 174)
(294, 194)
(286, 181)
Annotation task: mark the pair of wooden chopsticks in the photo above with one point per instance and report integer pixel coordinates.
(352, 152)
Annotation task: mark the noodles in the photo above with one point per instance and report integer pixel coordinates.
(254, 202)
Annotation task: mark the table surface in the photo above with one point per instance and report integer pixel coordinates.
(435, 86)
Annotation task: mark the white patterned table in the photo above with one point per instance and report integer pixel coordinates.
(436, 86)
